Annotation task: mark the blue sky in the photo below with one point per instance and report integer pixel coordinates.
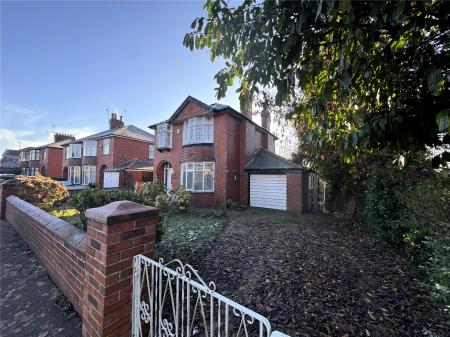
(65, 63)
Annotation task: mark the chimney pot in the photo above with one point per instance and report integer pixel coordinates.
(115, 123)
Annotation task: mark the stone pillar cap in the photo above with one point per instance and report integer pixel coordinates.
(120, 211)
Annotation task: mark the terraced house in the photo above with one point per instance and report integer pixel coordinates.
(92, 159)
(223, 157)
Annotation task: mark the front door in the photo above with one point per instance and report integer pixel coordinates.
(169, 173)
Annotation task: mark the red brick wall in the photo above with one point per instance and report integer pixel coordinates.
(57, 244)
(53, 163)
(294, 192)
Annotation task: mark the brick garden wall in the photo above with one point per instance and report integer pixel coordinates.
(57, 244)
(94, 268)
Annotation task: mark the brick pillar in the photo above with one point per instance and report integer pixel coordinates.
(8, 187)
(115, 233)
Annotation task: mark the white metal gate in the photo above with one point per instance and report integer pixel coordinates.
(172, 300)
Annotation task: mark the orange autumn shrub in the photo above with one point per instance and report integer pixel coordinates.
(41, 191)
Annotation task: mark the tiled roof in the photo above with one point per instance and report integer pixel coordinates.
(265, 160)
(127, 131)
(134, 163)
(213, 108)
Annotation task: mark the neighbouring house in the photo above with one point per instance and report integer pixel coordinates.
(29, 161)
(223, 157)
(46, 159)
(10, 161)
(132, 173)
(51, 156)
(85, 160)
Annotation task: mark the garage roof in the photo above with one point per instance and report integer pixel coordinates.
(135, 163)
(265, 160)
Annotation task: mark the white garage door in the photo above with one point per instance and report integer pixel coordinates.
(110, 179)
(268, 191)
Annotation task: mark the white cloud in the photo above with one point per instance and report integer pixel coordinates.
(26, 116)
(13, 139)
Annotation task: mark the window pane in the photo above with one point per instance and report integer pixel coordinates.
(198, 180)
(189, 180)
(209, 180)
(199, 166)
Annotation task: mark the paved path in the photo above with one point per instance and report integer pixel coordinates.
(30, 303)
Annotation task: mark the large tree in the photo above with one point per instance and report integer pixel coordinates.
(369, 75)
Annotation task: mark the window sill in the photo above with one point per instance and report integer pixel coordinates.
(198, 144)
(200, 192)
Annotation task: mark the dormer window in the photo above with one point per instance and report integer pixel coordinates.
(198, 130)
(164, 136)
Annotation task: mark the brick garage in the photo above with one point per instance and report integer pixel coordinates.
(92, 268)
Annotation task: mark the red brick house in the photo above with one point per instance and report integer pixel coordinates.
(222, 157)
(85, 160)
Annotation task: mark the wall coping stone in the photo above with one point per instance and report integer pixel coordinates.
(120, 211)
(60, 228)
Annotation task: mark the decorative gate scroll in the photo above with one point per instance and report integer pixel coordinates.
(172, 300)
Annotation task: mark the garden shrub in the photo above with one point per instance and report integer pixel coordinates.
(162, 202)
(150, 190)
(95, 197)
(43, 192)
(410, 209)
(180, 198)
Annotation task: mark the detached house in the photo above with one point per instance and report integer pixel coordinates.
(222, 156)
(91, 160)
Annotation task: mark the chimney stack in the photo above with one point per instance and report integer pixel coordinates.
(58, 137)
(265, 120)
(115, 122)
(246, 105)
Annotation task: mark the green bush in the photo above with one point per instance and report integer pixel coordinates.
(149, 191)
(410, 210)
(180, 198)
(95, 197)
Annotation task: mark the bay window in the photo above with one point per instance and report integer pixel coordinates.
(198, 177)
(164, 136)
(74, 151)
(106, 146)
(198, 130)
(90, 148)
(75, 174)
(89, 172)
(34, 154)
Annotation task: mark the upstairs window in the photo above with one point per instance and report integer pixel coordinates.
(198, 130)
(34, 155)
(198, 177)
(106, 146)
(151, 151)
(74, 151)
(164, 136)
(90, 148)
(45, 154)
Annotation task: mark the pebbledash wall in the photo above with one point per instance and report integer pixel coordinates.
(93, 268)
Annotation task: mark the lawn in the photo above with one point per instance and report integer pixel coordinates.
(188, 236)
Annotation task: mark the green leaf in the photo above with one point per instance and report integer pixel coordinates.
(435, 81)
(442, 120)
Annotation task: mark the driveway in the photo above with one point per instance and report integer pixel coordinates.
(30, 303)
(314, 275)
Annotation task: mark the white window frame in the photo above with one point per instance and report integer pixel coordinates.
(34, 154)
(151, 151)
(164, 136)
(198, 130)
(193, 167)
(90, 148)
(89, 173)
(75, 174)
(45, 154)
(106, 143)
(74, 151)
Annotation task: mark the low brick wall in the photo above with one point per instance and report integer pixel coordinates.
(59, 246)
(94, 269)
